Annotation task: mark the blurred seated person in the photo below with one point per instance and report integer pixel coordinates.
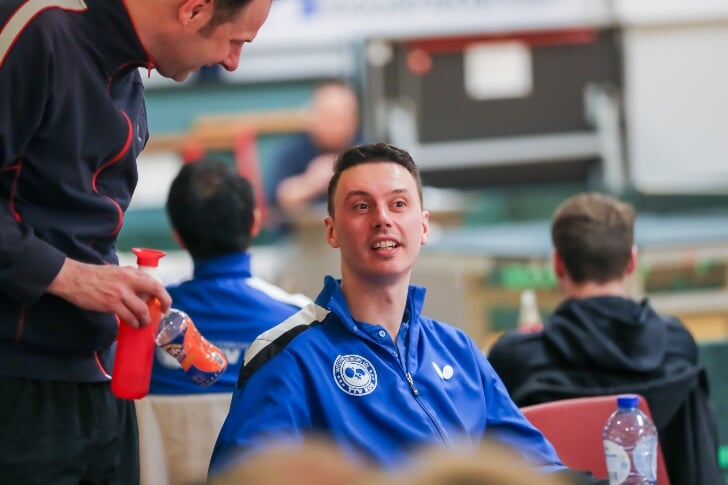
(363, 365)
(317, 461)
(302, 169)
(213, 216)
(599, 341)
(490, 464)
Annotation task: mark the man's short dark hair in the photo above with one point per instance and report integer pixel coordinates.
(211, 208)
(593, 235)
(368, 153)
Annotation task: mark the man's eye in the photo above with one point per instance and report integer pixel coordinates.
(361, 205)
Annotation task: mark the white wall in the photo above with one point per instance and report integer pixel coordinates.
(676, 87)
(676, 93)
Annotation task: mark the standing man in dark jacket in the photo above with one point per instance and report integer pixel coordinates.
(599, 341)
(72, 122)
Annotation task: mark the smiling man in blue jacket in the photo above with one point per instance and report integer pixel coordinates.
(362, 365)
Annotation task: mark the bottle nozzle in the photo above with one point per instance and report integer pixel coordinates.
(148, 257)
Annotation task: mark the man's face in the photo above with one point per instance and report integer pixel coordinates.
(197, 46)
(334, 118)
(378, 223)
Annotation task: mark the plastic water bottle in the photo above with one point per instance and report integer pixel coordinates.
(135, 346)
(529, 318)
(203, 362)
(630, 444)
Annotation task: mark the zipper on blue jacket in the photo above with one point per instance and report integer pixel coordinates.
(411, 381)
(413, 388)
(416, 394)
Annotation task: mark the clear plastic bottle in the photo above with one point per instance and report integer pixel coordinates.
(529, 318)
(135, 346)
(203, 362)
(630, 444)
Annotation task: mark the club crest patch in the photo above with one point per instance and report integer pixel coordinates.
(355, 375)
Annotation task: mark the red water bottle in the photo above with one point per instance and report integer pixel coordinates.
(135, 346)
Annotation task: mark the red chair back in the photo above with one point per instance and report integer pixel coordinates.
(574, 427)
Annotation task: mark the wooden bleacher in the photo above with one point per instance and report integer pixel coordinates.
(216, 132)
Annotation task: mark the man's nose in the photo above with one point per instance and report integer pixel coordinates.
(382, 218)
(232, 61)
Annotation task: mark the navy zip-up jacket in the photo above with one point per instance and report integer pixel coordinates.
(72, 122)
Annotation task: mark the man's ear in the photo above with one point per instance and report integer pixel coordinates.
(178, 239)
(558, 263)
(195, 13)
(331, 232)
(425, 227)
(257, 222)
(632, 263)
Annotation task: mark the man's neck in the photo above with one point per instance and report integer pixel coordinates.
(150, 18)
(591, 289)
(138, 11)
(378, 304)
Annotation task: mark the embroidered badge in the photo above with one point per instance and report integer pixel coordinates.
(354, 375)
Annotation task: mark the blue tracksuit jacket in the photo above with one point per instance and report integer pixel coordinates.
(230, 308)
(322, 371)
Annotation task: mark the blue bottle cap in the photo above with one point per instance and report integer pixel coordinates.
(628, 401)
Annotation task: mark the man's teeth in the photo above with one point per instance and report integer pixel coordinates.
(385, 245)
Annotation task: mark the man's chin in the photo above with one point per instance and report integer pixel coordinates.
(175, 76)
(181, 77)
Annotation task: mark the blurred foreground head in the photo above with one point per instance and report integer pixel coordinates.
(314, 462)
(491, 464)
(320, 462)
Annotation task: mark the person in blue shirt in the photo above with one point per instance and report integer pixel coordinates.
(304, 165)
(213, 215)
(362, 365)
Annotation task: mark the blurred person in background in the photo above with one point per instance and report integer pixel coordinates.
(72, 123)
(214, 218)
(363, 365)
(304, 166)
(599, 341)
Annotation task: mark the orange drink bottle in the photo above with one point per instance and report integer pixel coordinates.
(203, 362)
(135, 346)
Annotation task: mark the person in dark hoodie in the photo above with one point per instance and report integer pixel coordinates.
(599, 341)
